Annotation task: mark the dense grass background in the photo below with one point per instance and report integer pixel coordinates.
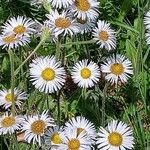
(129, 103)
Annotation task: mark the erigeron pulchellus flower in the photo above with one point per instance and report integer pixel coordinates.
(9, 123)
(61, 23)
(116, 136)
(35, 126)
(85, 73)
(18, 26)
(85, 9)
(61, 3)
(70, 141)
(85, 25)
(104, 35)
(11, 41)
(52, 137)
(6, 98)
(117, 68)
(47, 74)
(82, 125)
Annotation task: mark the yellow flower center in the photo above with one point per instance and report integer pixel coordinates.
(85, 73)
(56, 139)
(115, 139)
(74, 144)
(117, 69)
(48, 74)
(79, 130)
(9, 97)
(9, 39)
(38, 127)
(8, 122)
(62, 23)
(103, 35)
(19, 29)
(81, 21)
(82, 5)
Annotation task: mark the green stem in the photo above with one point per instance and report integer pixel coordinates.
(11, 56)
(77, 43)
(17, 70)
(58, 106)
(104, 104)
(58, 50)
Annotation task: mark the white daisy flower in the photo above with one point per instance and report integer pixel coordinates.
(117, 136)
(6, 98)
(85, 25)
(61, 3)
(85, 9)
(47, 74)
(52, 137)
(19, 26)
(117, 68)
(61, 23)
(147, 20)
(35, 126)
(12, 41)
(70, 141)
(85, 73)
(82, 125)
(9, 123)
(104, 35)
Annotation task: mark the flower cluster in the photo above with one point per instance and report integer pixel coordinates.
(77, 133)
(48, 76)
(16, 32)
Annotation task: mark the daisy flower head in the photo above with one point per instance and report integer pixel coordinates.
(117, 68)
(61, 23)
(85, 73)
(9, 123)
(6, 98)
(82, 125)
(85, 9)
(116, 136)
(47, 74)
(85, 25)
(70, 141)
(19, 26)
(104, 35)
(61, 3)
(35, 126)
(13, 41)
(52, 137)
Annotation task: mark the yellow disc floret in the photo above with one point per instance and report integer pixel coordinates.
(103, 35)
(20, 29)
(8, 121)
(48, 74)
(85, 73)
(115, 139)
(117, 69)
(9, 97)
(74, 144)
(38, 127)
(62, 23)
(9, 39)
(55, 138)
(82, 5)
